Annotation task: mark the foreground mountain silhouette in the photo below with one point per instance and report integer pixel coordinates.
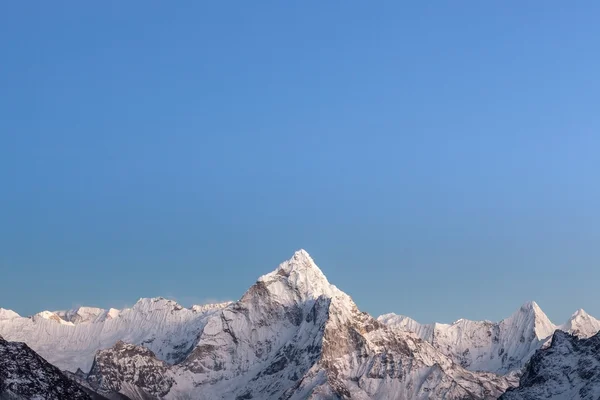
(25, 375)
(292, 335)
(568, 369)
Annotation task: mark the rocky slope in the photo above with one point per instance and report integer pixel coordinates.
(24, 375)
(568, 369)
(133, 371)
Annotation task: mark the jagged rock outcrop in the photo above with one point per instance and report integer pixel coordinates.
(131, 370)
(568, 369)
(582, 325)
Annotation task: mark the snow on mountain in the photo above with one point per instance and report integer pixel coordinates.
(161, 325)
(568, 369)
(293, 335)
(24, 375)
(8, 314)
(50, 316)
(209, 307)
(495, 347)
(519, 336)
(84, 314)
(407, 324)
(581, 324)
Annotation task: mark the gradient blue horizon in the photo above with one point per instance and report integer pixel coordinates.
(438, 160)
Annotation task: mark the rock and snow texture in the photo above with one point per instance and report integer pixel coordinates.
(70, 339)
(407, 324)
(24, 375)
(495, 347)
(568, 369)
(87, 314)
(293, 335)
(116, 368)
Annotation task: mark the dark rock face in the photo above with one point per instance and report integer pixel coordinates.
(25, 375)
(568, 369)
(127, 363)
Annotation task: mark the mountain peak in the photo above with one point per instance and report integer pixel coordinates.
(8, 314)
(582, 324)
(301, 262)
(579, 313)
(49, 315)
(302, 254)
(81, 314)
(148, 304)
(297, 279)
(531, 306)
(531, 318)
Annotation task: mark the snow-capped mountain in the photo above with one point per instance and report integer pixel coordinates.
(407, 324)
(292, 335)
(495, 347)
(70, 339)
(568, 369)
(582, 325)
(24, 375)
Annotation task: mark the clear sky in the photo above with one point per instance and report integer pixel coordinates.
(437, 159)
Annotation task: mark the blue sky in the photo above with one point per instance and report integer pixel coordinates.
(437, 159)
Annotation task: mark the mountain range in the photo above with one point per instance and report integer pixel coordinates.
(292, 335)
(499, 347)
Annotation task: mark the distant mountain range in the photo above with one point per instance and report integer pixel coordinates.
(499, 347)
(292, 335)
